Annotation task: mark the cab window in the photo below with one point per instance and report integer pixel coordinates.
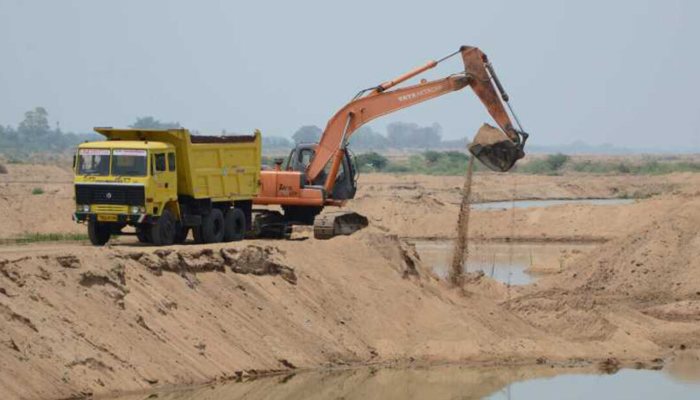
(171, 162)
(305, 157)
(93, 162)
(158, 163)
(128, 162)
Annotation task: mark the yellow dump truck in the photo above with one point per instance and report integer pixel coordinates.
(166, 182)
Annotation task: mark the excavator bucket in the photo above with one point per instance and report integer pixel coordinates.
(495, 149)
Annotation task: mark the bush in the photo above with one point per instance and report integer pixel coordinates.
(431, 156)
(440, 163)
(549, 165)
(556, 161)
(397, 168)
(430, 162)
(37, 191)
(372, 161)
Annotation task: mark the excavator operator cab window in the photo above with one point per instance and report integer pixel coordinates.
(299, 159)
(305, 157)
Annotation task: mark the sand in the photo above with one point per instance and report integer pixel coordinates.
(80, 320)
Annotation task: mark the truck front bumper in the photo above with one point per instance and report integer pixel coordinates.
(128, 219)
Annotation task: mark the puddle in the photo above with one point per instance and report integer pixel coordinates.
(445, 382)
(500, 205)
(515, 264)
(625, 384)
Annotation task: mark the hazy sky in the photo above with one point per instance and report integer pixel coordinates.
(621, 72)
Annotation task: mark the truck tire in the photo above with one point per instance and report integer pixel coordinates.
(181, 233)
(163, 231)
(98, 233)
(197, 234)
(142, 234)
(234, 225)
(212, 229)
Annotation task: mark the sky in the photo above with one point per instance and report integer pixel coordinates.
(620, 72)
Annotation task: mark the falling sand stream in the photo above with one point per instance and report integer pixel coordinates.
(460, 252)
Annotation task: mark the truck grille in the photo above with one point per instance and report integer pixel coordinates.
(110, 194)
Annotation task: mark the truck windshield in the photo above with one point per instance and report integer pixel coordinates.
(127, 162)
(93, 162)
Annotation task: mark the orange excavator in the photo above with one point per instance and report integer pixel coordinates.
(324, 174)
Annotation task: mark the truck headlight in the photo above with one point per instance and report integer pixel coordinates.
(82, 208)
(138, 210)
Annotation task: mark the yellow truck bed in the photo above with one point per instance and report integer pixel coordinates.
(216, 167)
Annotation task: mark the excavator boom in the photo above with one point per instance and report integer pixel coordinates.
(500, 155)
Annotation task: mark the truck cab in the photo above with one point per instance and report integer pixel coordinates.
(119, 183)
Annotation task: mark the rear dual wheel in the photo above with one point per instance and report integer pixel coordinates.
(212, 228)
(217, 228)
(234, 225)
(143, 234)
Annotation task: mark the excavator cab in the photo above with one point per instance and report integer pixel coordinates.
(345, 185)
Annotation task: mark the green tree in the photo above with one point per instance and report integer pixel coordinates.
(368, 138)
(307, 134)
(149, 122)
(403, 134)
(35, 125)
(275, 142)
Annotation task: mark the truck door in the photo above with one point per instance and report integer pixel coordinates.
(165, 178)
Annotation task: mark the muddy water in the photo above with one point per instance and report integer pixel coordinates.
(516, 264)
(446, 382)
(500, 205)
(625, 384)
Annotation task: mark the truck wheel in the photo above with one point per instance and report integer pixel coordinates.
(234, 225)
(163, 231)
(98, 233)
(197, 234)
(142, 234)
(181, 233)
(212, 229)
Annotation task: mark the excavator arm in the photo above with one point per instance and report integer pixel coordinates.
(376, 102)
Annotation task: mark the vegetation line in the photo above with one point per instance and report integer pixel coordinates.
(44, 237)
(455, 163)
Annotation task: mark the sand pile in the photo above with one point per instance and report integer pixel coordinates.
(641, 288)
(653, 265)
